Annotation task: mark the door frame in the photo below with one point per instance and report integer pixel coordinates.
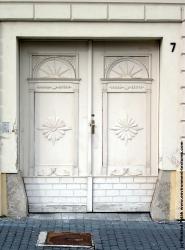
(90, 138)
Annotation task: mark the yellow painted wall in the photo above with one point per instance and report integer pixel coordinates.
(173, 189)
(3, 195)
(0, 197)
(175, 195)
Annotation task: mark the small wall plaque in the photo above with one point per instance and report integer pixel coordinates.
(4, 127)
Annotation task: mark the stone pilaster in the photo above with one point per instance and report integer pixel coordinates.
(160, 206)
(17, 200)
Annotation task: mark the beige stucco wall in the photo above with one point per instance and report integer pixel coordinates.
(169, 74)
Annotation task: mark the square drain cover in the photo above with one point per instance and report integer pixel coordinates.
(66, 239)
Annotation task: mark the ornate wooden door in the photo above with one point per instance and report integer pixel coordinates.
(88, 125)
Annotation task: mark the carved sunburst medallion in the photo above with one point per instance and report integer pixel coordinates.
(54, 67)
(54, 129)
(126, 129)
(126, 68)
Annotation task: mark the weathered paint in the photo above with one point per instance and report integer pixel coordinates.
(17, 200)
(160, 207)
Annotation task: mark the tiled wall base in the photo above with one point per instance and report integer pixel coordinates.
(110, 194)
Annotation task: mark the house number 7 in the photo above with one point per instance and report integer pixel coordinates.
(173, 46)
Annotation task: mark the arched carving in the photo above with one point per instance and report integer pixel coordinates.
(54, 67)
(126, 67)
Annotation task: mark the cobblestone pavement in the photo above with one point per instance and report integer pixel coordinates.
(110, 231)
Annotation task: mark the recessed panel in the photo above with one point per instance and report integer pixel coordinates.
(54, 133)
(126, 133)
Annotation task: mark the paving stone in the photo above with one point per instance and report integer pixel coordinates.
(109, 232)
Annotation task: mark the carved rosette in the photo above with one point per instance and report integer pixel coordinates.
(126, 129)
(54, 129)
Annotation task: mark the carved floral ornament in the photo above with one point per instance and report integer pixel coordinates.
(125, 67)
(126, 129)
(127, 171)
(54, 67)
(54, 129)
(53, 171)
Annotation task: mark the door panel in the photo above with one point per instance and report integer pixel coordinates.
(54, 125)
(54, 134)
(125, 96)
(126, 142)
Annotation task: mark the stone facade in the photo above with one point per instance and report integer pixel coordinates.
(91, 20)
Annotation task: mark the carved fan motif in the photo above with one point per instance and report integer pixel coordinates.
(54, 67)
(127, 68)
(54, 129)
(126, 129)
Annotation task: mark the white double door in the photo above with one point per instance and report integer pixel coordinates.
(89, 125)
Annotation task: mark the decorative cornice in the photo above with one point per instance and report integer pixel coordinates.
(97, 1)
(94, 10)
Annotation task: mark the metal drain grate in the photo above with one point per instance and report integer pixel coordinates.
(66, 239)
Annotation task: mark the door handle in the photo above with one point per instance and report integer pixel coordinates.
(92, 124)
